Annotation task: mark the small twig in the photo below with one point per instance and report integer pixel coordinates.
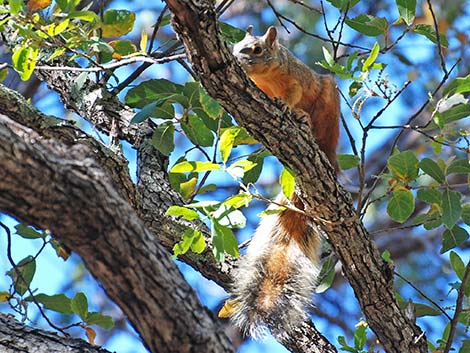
(301, 3)
(156, 27)
(420, 292)
(438, 38)
(458, 309)
(20, 276)
(278, 15)
(113, 65)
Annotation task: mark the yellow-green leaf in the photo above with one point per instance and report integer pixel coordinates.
(186, 167)
(117, 23)
(287, 182)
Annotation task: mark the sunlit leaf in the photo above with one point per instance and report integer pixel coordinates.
(181, 211)
(186, 167)
(197, 132)
(227, 140)
(287, 182)
(407, 9)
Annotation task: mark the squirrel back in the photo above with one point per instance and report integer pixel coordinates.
(277, 276)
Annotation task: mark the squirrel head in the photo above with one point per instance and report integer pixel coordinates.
(257, 55)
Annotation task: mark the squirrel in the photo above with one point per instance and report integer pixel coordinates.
(276, 278)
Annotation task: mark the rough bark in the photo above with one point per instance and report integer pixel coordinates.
(17, 337)
(326, 201)
(63, 189)
(153, 197)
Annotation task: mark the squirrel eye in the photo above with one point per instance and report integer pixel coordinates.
(257, 50)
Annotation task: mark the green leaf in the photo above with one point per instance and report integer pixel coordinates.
(347, 161)
(404, 166)
(123, 47)
(104, 321)
(459, 166)
(452, 238)
(407, 9)
(327, 275)
(368, 24)
(186, 167)
(257, 157)
(401, 205)
(28, 232)
(16, 6)
(458, 85)
(386, 256)
(163, 138)
(432, 169)
(227, 140)
(229, 217)
(87, 16)
(58, 302)
(465, 348)
(24, 61)
(429, 196)
(457, 265)
(425, 310)
(343, 4)
(455, 113)
(466, 214)
(199, 243)
(197, 132)
(224, 241)
(26, 269)
(188, 188)
(238, 200)
(192, 239)
(451, 208)
(372, 57)
(157, 90)
(238, 169)
(191, 91)
(145, 113)
(287, 182)
(79, 305)
(210, 105)
(231, 33)
(360, 337)
(429, 32)
(116, 23)
(180, 211)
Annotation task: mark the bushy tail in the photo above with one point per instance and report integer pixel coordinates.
(276, 278)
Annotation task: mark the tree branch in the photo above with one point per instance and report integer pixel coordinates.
(370, 277)
(17, 337)
(63, 189)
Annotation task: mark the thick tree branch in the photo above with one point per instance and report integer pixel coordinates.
(61, 188)
(371, 278)
(17, 337)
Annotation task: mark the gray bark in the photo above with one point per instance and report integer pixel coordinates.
(63, 189)
(326, 201)
(17, 337)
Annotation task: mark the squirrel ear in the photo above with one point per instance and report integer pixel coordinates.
(249, 30)
(270, 37)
